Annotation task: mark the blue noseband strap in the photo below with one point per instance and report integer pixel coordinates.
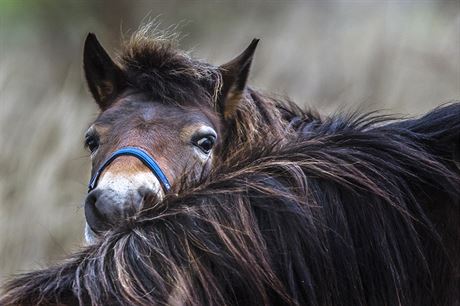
(139, 154)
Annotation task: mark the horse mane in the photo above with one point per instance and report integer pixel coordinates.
(353, 210)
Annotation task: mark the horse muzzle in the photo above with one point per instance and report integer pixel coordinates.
(115, 196)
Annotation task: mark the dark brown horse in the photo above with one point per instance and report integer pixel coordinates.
(184, 113)
(268, 204)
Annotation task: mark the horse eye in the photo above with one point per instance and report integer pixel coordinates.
(205, 143)
(92, 143)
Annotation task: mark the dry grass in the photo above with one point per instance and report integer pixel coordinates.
(404, 57)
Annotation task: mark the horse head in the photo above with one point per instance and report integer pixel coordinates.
(163, 116)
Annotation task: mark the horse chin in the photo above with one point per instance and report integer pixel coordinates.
(90, 235)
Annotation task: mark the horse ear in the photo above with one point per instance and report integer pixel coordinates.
(104, 77)
(234, 76)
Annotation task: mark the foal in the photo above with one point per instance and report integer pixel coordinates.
(184, 116)
(206, 192)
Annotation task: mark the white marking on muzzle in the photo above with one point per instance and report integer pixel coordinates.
(124, 185)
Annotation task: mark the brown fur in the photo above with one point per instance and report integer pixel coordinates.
(299, 210)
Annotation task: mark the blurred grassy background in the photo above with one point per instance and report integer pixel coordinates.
(400, 56)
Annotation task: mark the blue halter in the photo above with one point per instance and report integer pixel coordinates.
(139, 154)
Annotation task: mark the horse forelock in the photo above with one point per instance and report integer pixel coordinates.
(154, 64)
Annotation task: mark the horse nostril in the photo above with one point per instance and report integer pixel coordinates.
(105, 208)
(146, 196)
(100, 210)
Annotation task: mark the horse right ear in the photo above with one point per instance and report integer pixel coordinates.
(234, 76)
(104, 77)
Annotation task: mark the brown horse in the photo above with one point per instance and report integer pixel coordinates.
(261, 203)
(185, 114)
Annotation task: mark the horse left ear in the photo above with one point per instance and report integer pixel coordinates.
(234, 76)
(105, 78)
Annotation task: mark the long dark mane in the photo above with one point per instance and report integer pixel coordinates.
(300, 210)
(350, 211)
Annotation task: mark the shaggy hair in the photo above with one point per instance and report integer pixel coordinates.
(300, 210)
(352, 211)
(154, 65)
